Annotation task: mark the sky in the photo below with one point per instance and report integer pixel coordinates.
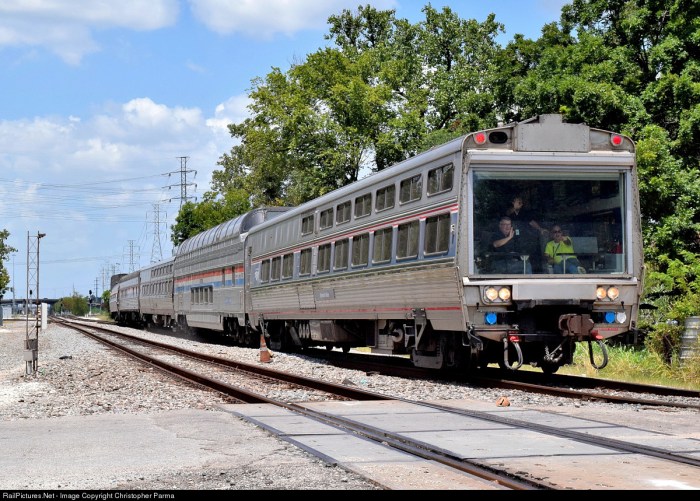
(107, 107)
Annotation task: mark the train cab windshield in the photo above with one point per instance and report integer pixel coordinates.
(548, 221)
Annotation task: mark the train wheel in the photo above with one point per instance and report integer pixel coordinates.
(549, 368)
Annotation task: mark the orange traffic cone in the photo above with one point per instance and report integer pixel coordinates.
(503, 402)
(264, 352)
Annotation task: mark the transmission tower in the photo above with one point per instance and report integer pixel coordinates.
(132, 263)
(183, 182)
(156, 252)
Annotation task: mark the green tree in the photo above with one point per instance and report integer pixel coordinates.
(645, 53)
(5, 251)
(387, 89)
(76, 304)
(633, 67)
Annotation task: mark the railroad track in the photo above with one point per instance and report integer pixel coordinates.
(557, 385)
(582, 388)
(271, 382)
(185, 363)
(397, 440)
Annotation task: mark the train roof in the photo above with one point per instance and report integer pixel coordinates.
(433, 153)
(158, 263)
(230, 229)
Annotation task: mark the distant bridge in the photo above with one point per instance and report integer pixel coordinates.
(17, 306)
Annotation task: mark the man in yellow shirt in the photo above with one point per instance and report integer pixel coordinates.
(560, 253)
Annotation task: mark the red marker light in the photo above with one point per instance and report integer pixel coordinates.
(479, 138)
(616, 140)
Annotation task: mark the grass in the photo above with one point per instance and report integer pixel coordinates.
(637, 366)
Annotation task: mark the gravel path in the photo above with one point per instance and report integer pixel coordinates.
(79, 377)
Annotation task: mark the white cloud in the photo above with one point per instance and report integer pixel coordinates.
(143, 113)
(65, 27)
(138, 138)
(91, 182)
(234, 110)
(266, 18)
(133, 14)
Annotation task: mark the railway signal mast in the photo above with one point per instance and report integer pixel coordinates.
(31, 341)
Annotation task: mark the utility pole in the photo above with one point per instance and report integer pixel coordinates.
(14, 307)
(97, 291)
(105, 271)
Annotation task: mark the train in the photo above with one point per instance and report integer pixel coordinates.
(403, 261)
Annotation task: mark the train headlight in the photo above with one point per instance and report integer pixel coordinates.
(493, 294)
(611, 293)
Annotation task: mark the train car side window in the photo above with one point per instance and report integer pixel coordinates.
(324, 258)
(440, 179)
(360, 249)
(437, 234)
(305, 262)
(411, 189)
(265, 271)
(325, 219)
(385, 198)
(382, 245)
(407, 244)
(307, 224)
(340, 259)
(275, 268)
(287, 265)
(363, 205)
(342, 213)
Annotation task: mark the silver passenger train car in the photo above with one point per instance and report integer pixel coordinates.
(124, 303)
(209, 272)
(404, 261)
(156, 294)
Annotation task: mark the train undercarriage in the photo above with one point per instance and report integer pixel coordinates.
(527, 343)
(442, 350)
